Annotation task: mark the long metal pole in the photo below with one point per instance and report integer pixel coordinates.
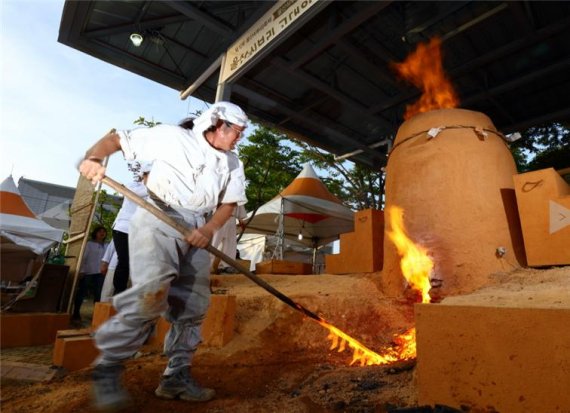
(157, 212)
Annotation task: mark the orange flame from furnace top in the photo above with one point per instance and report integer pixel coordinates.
(424, 69)
(416, 266)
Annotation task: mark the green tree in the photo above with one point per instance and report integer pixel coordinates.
(142, 121)
(272, 160)
(105, 212)
(557, 158)
(270, 163)
(542, 146)
(358, 186)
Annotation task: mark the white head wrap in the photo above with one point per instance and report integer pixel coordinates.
(221, 110)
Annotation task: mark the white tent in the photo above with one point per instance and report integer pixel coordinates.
(19, 226)
(305, 211)
(251, 247)
(57, 216)
(259, 247)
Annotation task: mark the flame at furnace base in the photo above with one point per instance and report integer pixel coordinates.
(416, 267)
(404, 347)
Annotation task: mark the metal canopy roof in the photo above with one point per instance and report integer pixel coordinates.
(330, 82)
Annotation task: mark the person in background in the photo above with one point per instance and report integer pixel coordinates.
(194, 172)
(121, 225)
(90, 277)
(108, 266)
(225, 240)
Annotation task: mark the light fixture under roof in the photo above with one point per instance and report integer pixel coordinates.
(136, 39)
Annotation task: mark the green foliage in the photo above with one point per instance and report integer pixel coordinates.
(520, 158)
(56, 254)
(142, 121)
(105, 212)
(358, 186)
(270, 164)
(272, 160)
(545, 145)
(557, 158)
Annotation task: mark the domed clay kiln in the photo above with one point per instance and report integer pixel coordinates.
(452, 173)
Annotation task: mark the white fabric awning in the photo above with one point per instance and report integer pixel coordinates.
(19, 224)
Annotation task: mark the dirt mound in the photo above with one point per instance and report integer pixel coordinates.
(278, 360)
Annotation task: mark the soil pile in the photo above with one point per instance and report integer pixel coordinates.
(279, 361)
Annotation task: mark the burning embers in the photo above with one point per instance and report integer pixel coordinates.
(416, 267)
(424, 69)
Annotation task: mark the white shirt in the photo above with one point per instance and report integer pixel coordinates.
(186, 172)
(129, 207)
(224, 238)
(91, 263)
(110, 256)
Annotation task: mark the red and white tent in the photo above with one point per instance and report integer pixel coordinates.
(19, 227)
(305, 207)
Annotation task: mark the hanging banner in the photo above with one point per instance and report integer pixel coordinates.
(280, 21)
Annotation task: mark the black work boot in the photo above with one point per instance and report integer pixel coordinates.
(108, 393)
(181, 385)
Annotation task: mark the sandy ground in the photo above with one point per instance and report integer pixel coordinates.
(279, 361)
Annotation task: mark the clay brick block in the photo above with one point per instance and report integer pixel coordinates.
(31, 329)
(543, 199)
(74, 352)
(217, 329)
(514, 360)
(361, 250)
(283, 267)
(73, 333)
(101, 313)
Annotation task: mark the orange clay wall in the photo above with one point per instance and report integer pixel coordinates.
(75, 349)
(487, 358)
(456, 190)
(543, 199)
(30, 329)
(361, 250)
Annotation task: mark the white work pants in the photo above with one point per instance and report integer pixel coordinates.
(108, 289)
(225, 240)
(169, 278)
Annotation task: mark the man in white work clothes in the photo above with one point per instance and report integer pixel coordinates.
(194, 173)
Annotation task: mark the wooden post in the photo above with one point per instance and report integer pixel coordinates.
(81, 214)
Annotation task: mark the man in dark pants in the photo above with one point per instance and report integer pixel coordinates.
(121, 225)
